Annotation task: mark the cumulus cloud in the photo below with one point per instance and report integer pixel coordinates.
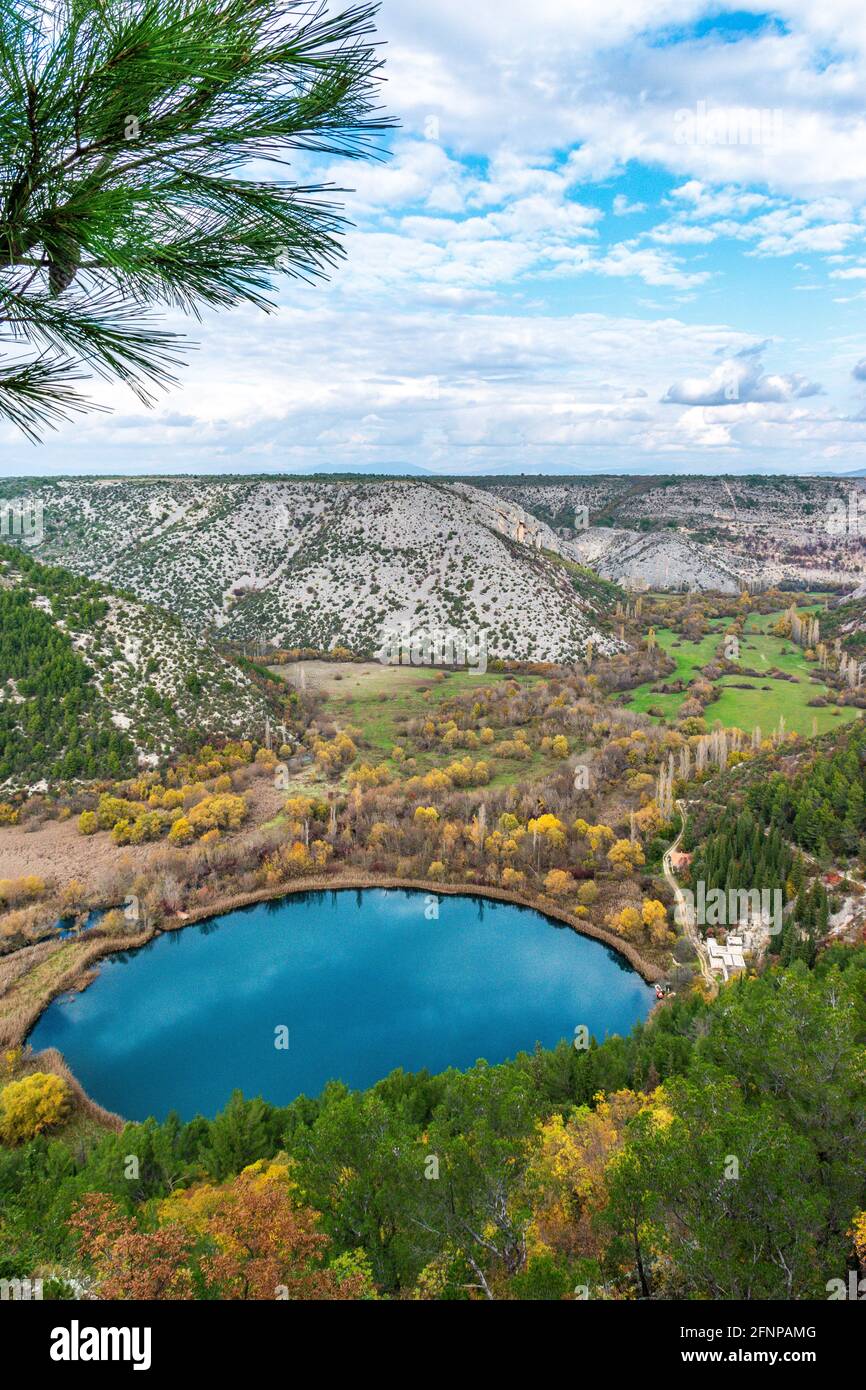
(740, 380)
(623, 208)
(487, 306)
(595, 78)
(653, 267)
(455, 389)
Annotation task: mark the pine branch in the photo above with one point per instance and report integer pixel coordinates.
(125, 128)
(41, 393)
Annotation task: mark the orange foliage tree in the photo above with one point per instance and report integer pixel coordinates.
(246, 1239)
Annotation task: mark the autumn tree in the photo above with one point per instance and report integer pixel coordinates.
(655, 919)
(266, 1247)
(244, 1239)
(625, 855)
(129, 1263)
(36, 1103)
(558, 883)
(566, 1181)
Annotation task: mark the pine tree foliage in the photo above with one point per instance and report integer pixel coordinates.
(739, 855)
(824, 808)
(133, 135)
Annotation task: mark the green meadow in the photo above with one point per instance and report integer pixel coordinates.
(766, 700)
(376, 699)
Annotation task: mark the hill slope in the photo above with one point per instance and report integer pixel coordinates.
(662, 560)
(320, 563)
(93, 683)
(766, 530)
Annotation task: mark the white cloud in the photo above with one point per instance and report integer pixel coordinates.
(738, 381)
(623, 208)
(678, 233)
(653, 267)
(448, 389)
(449, 334)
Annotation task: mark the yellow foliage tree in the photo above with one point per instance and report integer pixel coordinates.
(649, 818)
(225, 811)
(30, 1106)
(587, 893)
(513, 879)
(549, 831)
(655, 919)
(625, 855)
(567, 1176)
(558, 883)
(181, 832)
(626, 923)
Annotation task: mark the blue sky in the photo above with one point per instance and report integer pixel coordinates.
(611, 235)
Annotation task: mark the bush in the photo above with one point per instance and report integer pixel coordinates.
(181, 832)
(558, 883)
(225, 811)
(30, 1106)
(587, 893)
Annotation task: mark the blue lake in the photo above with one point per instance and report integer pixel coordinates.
(363, 982)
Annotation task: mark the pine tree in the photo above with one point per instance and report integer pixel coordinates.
(125, 126)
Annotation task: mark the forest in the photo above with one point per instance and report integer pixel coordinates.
(747, 853)
(823, 808)
(53, 722)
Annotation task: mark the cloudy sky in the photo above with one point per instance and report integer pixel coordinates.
(611, 235)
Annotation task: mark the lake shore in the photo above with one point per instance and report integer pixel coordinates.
(81, 972)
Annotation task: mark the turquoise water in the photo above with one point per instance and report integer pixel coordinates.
(358, 983)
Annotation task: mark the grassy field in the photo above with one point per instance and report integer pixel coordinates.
(767, 700)
(375, 699)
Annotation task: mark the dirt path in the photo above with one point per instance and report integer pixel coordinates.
(684, 912)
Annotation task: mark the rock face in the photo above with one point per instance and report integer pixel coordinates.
(662, 560)
(765, 530)
(325, 563)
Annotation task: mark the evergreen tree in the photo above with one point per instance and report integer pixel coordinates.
(125, 126)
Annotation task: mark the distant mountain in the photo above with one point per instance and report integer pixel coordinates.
(94, 683)
(333, 561)
(321, 563)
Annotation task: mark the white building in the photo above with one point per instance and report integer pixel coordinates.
(726, 959)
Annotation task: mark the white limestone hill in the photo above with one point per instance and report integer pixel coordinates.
(768, 530)
(322, 563)
(660, 560)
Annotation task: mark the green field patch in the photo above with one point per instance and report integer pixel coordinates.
(375, 699)
(767, 701)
